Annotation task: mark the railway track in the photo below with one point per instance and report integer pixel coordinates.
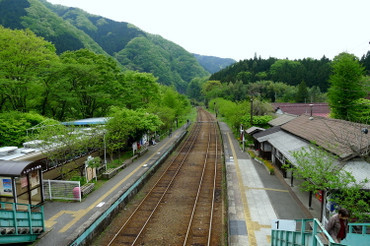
(184, 207)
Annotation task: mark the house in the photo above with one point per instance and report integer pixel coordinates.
(281, 119)
(318, 109)
(348, 141)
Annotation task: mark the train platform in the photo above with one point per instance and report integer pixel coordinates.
(256, 198)
(66, 221)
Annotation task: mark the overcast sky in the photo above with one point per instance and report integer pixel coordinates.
(239, 29)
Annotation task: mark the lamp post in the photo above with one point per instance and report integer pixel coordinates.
(251, 111)
(105, 152)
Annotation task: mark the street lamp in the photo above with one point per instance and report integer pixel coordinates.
(251, 111)
(105, 152)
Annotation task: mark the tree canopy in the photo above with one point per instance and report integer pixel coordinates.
(346, 85)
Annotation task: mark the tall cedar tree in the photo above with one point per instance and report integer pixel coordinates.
(346, 84)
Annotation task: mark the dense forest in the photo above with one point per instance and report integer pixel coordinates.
(313, 72)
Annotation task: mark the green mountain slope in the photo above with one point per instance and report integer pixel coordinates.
(213, 64)
(73, 29)
(34, 15)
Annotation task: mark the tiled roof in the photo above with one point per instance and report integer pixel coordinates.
(321, 109)
(359, 169)
(282, 119)
(253, 130)
(263, 136)
(337, 136)
(287, 144)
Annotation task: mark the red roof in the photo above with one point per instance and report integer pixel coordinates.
(318, 109)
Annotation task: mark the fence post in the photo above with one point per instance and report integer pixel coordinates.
(50, 195)
(79, 187)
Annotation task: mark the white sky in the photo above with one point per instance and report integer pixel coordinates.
(238, 29)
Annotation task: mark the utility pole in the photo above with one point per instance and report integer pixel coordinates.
(251, 111)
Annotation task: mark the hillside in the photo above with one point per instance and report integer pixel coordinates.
(213, 64)
(73, 29)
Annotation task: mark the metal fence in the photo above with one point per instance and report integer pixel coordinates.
(62, 189)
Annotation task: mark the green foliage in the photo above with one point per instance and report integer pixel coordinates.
(127, 126)
(356, 200)
(165, 60)
(313, 72)
(11, 12)
(346, 85)
(231, 111)
(360, 111)
(62, 34)
(258, 120)
(71, 29)
(267, 163)
(319, 170)
(195, 87)
(138, 89)
(365, 61)
(302, 93)
(14, 125)
(322, 171)
(24, 60)
(93, 162)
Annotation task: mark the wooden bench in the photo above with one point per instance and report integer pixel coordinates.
(87, 188)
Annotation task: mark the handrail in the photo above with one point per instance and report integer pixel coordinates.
(310, 233)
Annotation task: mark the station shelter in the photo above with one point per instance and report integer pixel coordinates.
(21, 182)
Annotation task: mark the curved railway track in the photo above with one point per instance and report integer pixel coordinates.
(184, 207)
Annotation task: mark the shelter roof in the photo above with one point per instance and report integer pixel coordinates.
(286, 144)
(17, 168)
(265, 135)
(88, 121)
(252, 130)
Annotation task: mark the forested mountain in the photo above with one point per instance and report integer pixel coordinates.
(73, 29)
(312, 72)
(213, 64)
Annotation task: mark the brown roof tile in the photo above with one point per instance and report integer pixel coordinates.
(337, 136)
(321, 109)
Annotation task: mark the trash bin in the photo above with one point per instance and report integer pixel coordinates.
(76, 192)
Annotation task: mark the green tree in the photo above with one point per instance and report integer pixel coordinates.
(302, 93)
(321, 171)
(24, 60)
(346, 84)
(65, 144)
(87, 82)
(290, 72)
(15, 127)
(360, 111)
(195, 87)
(139, 89)
(127, 126)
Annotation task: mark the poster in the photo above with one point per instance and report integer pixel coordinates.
(7, 187)
(24, 182)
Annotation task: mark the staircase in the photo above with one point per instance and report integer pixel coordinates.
(310, 232)
(20, 223)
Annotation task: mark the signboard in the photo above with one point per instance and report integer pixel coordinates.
(6, 187)
(283, 225)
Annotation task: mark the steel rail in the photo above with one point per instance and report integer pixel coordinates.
(190, 140)
(200, 186)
